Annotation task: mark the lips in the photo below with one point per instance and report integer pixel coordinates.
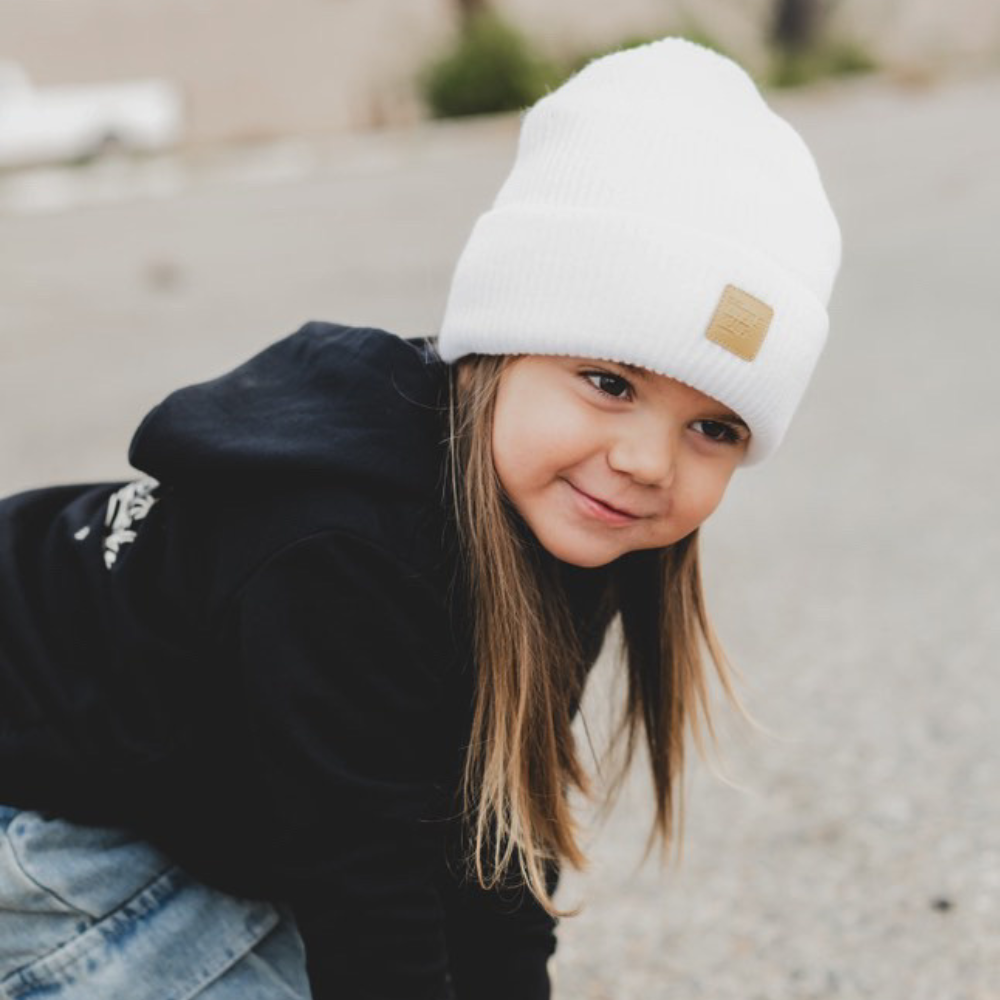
(611, 506)
(602, 506)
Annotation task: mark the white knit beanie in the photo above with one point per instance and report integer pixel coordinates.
(660, 214)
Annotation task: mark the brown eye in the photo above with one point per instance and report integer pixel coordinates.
(608, 384)
(716, 430)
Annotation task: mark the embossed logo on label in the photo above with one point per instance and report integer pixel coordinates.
(740, 323)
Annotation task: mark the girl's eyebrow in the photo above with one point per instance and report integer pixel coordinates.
(723, 416)
(729, 418)
(640, 373)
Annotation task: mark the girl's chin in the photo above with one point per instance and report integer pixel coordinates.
(585, 553)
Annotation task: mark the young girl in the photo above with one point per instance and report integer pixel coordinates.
(292, 712)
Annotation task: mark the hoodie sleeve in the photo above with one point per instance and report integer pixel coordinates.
(343, 681)
(499, 941)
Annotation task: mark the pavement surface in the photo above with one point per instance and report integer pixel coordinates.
(852, 849)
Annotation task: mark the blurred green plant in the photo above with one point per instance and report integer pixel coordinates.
(492, 67)
(825, 59)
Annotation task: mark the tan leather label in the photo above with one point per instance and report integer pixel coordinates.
(740, 323)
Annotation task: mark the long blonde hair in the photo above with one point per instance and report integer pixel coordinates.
(522, 760)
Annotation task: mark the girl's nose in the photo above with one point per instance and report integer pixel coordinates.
(645, 455)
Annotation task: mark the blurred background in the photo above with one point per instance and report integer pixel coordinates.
(182, 183)
(257, 69)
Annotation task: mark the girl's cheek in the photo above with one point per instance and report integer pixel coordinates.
(699, 492)
(553, 437)
(714, 492)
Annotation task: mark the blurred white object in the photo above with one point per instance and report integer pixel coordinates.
(78, 122)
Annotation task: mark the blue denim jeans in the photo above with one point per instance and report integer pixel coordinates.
(90, 913)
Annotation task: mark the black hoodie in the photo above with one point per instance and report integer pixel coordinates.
(254, 658)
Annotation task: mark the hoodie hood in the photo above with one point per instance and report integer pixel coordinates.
(328, 404)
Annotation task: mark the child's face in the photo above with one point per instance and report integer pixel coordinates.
(601, 459)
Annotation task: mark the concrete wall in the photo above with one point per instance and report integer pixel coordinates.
(738, 25)
(903, 34)
(249, 68)
(259, 68)
(925, 34)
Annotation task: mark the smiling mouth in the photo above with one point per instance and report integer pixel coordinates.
(600, 509)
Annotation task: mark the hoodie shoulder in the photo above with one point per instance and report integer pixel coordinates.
(331, 429)
(329, 402)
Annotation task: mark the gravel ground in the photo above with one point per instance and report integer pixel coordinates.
(854, 851)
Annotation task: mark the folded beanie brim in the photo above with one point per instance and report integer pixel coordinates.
(626, 287)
